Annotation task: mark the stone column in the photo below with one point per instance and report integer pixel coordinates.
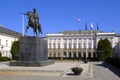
(86, 48)
(51, 43)
(61, 44)
(81, 43)
(67, 44)
(82, 54)
(72, 44)
(77, 44)
(56, 42)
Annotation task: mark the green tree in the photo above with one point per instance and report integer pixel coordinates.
(15, 50)
(104, 49)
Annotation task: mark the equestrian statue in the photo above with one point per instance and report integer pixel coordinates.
(33, 22)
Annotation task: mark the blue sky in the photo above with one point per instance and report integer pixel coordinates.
(62, 15)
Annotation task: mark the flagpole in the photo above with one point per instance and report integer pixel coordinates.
(91, 36)
(23, 25)
(91, 41)
(86, 41)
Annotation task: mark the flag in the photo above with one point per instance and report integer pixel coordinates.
(97, 26)
(78, 20)
(85, 26)
(91, 26)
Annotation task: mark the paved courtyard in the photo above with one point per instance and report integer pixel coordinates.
(61, 70)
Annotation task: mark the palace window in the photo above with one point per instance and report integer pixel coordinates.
(65, 46)
(58, 40)
(74, 40)
(84, 45)
(58, 45)
(89, 45)
(79, 46)
(0, 41)
(6, 42)
(74, 46)
(54, 46)
(50, 45)
(70, 46)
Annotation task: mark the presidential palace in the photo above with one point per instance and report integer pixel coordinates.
(79, 43)
(67, 44)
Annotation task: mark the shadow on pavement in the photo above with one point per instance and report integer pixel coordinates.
(110, 67)
(70, 74)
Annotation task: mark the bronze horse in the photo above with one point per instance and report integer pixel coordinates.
(31, 23)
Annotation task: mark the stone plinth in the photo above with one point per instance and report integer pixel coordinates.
(33, 49)
(33, 52)
(31, 63)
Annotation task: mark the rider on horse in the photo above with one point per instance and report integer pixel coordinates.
(35, 16)
(33, 22)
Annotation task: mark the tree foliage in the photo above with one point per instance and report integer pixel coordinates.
(104, 49)
(15, 50)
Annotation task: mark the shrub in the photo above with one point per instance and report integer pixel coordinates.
(104, 49)
(77, 70)
(5, 59)
(15, 50)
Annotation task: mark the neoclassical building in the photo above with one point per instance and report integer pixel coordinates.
(79, 43)
(7, 37)
(67, 44)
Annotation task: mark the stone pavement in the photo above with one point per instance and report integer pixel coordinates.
(104, 71)
(61, 70)
(57, 71)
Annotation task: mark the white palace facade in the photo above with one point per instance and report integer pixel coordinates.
(79, 43)
(7, 37)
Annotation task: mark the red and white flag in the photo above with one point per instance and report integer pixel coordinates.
(91, 26)
(78, 20)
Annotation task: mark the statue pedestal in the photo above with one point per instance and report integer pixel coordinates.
(33, 52)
